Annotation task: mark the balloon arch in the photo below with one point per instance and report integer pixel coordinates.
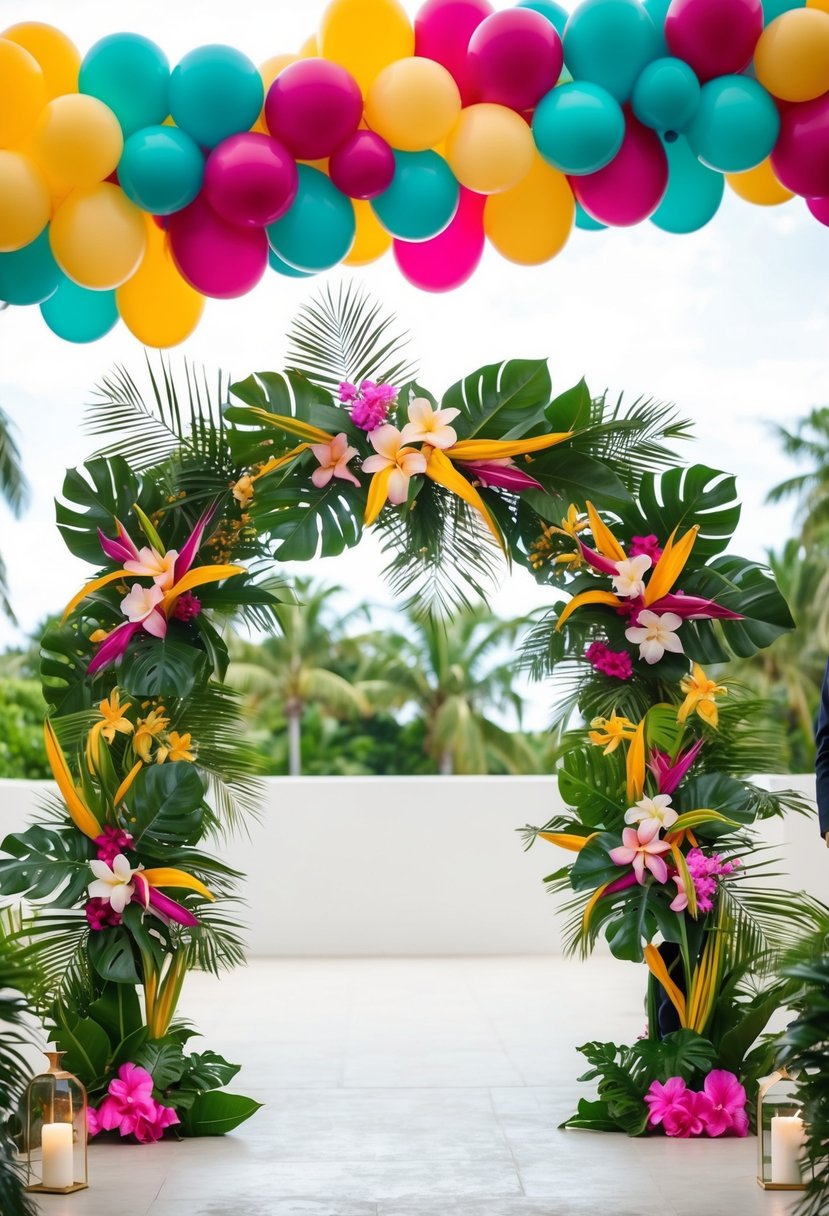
(131, 189)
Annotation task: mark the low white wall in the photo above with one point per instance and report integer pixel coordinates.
(418, 866)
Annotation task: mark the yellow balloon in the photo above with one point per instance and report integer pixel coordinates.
(156, 305)
(98, 236)
(821, 5)
(77, 141)
(759, 185)
(22, 93)
(371, 241)
(24, 201)
(364, 36)
(532, 222)
(791, 59)
(270, 69)
(310, 48)
(413, 104)
(57, 55)
(490, 148)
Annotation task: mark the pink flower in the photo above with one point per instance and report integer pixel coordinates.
(111, 842)
(645, 546)
(398, 463)
(615, 663)
(148, 1130)
(140, 607)
(369, 403)
(101, 915)
(187, 606)
(670, 773)
(727, 1113)
(333, 460)
(706, 872)
(662, 1099)
(92, 1124)
(130, 1098)
(680, 901)
(679, 1110)
(642, 849)
(347, 392)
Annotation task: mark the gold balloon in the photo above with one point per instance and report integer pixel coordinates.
(364, 36)
(77, 141)
(22, 93)
(759, 186)
(157, 306)
(791, 59)
(532, 222)
(490, 148)
(310, 48)
(98, 236)
(371, 241)
(413, 104)
(57, 55)
(24, 201)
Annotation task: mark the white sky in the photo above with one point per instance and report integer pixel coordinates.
(729, 323)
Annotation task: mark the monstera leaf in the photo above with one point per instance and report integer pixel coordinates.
(683, 497)
(306, 521)
(93, 496)
(167, 802)
(569, 476)
(64, 658)
(502, 400)
(162, 668)
(46, 862)
(592, 784)
(744, 587)
(289, 394)
(716, 792)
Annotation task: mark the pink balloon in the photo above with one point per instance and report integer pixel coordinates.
(515, 57)
(363, 166)
(715, 37)
(801, 155)
(819, 208)
(448, 260)
(218, 259)
(313, 106)
(632, 186)
(442, 32)
(250, 179)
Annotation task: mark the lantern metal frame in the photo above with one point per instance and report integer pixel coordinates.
(764, 1130)
(60, 1088)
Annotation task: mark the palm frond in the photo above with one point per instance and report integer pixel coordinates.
(343, 335)
(14, 489)
(633, 439)
(214, 944)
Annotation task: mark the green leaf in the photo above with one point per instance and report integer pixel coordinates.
(64, 657)
(93, 496)
(46, 862)
(290, 395)
(117, 1010)
(593, 785)
(502, 400)
(753, 1017)
(127, 1050)
(111, 954)
(716, 792)
(571, 410)
(167, 801)
(592, 1117)
(636, 925)
(207, 1070)
(216, 1112)
(743, 587)
(149, 943)
(682, 497)
(592, 866)
(569, 476)
(164, 1059)
(162, 668)
(85, 1043)
(308, 522)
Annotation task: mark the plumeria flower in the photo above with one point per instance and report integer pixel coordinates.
(398, 462)
(655, 633)
(428, 425)
(653, 810)
(642, 849)
(161, 567)
(113, 884)
(700, 696)
(333, 460)
(609, 732)
(141, 607)
(628, 582)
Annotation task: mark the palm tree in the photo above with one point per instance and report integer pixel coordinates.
(309, 663)
(807, 444)
(452, 673)
(14, 491)
(16, 977)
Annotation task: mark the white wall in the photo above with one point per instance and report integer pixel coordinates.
(430, 865)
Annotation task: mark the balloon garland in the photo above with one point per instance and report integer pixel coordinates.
(131, 189)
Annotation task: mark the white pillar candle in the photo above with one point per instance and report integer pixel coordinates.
(787, 1142)
(58, 1155)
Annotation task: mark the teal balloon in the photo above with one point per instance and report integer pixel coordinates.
(132, 76)
(736, 125)
(586, 222)
(319, 228)
(215, 91)
(556, 14)
(657, 10)
(775, 8)
(579, 127)
(77, 314)
(282, 267)
(694, 191)
(609, 42)
(161, 169)
(422, 199)
(666, 95)
(29, 275)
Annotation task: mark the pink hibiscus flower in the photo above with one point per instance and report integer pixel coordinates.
(727, 1115)
(129, 1100)
(680, 1111)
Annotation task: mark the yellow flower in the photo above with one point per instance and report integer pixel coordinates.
(176, 747)
(609, 732)
(700, 695)
(571, 525)
(243, 490)
(146, 730)
(112, 712)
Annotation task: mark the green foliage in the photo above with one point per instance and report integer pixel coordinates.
(21, 730)
(215, 1113)
(168, 804)
(163, 668)
(804, 1050)
(43, 863)
(17, 977)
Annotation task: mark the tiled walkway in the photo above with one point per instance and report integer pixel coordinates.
(418, 1087)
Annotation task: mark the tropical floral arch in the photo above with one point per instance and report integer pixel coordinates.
(199, 490)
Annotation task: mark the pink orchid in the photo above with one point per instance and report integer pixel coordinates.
(642, 849)
(670, 773)
(140, 607)
(403, 463)
(502, 474)
(100, 915)
(187, 607)
(333, 461)
(129, 1099)
(727, 1115)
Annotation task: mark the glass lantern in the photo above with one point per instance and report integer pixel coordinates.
(781, 1135)
(56, 1131)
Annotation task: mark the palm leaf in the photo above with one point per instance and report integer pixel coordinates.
(14, 489)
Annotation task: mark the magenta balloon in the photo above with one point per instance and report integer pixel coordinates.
(632, 186)
(313, 106)
(218, 259)
(715, 37)
(801, 155)
(250, 179)
(515, 57)
(363, 166)
(819, 208)
(442, 32)
(450, 259)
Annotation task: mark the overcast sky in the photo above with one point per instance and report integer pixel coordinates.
(729, 323)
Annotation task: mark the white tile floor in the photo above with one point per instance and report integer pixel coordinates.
(418, 1087)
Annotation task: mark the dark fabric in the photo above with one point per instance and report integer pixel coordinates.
(822, 757)
(667, 1016)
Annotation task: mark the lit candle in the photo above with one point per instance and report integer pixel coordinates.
(58, 1156)
(787, 1142)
